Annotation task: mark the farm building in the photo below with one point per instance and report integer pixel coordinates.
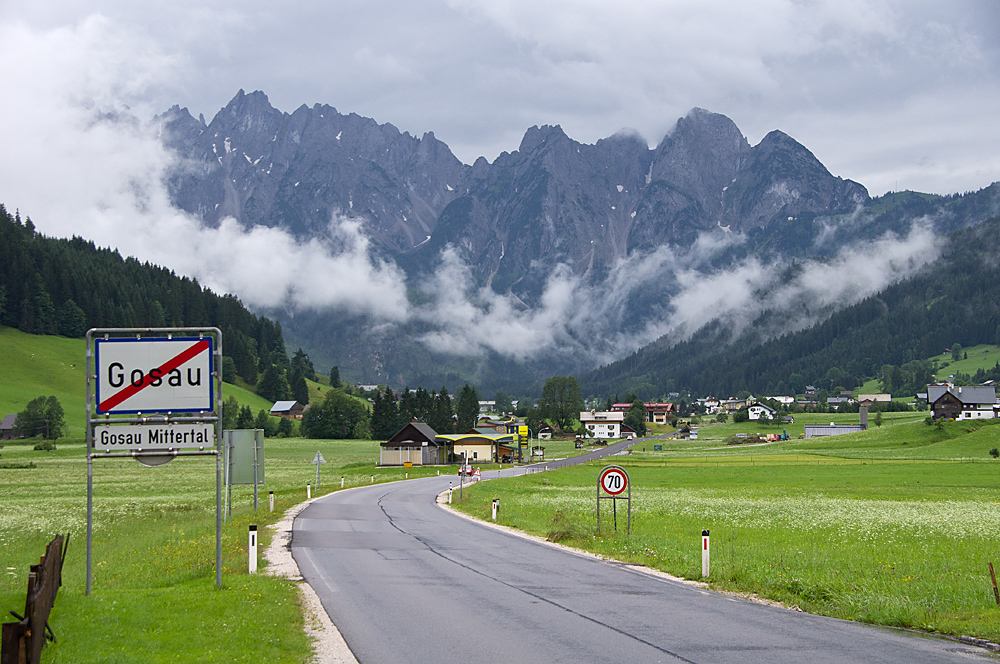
(290, 410)
(831, 429)
(416, 444)
(7, 427)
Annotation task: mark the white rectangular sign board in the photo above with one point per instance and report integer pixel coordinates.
(154, 375)
(154, 437)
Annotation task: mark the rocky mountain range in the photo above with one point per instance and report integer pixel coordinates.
(553, 201)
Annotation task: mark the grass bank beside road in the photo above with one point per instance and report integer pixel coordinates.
(154, 597)
(894, 526)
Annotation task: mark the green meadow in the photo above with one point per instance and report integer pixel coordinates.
(154, 597)
(893, 526)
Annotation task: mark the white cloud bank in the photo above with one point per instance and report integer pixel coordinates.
(77, 161)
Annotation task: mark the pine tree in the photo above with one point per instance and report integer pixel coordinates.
(467, 408)
(72, 320)
(265, 422)
(441, 412)
(273, 385)
(230, 411)
(335, 377)
(385, 419)
(300, 389)
(245, 419)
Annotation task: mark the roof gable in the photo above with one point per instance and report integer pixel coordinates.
(415, 432)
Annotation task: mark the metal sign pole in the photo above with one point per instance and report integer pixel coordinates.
(218, 463)
(255, 468)
(88, 360)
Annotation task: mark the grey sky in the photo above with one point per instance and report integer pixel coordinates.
(894, 95)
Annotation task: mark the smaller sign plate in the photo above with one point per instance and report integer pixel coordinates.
(154, 437)
(614, 480)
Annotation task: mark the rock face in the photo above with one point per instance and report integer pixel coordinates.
(265, 167)
(558, 201)
(553, 200)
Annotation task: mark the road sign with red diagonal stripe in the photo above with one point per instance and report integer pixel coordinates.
(154, 375)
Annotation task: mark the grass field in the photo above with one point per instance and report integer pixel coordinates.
(154, 597)
(893, 526)
(984, 356)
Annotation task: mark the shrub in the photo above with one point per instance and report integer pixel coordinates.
(995, 453)
(564, 527)
(45, 445)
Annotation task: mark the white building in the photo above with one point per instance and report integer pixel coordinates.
(603, 424)
(757, 409)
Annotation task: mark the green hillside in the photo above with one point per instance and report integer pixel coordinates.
(41, 365)
(37, 365)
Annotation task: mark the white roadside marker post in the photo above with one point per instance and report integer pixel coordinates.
(309, 491)
(270, 500)
(496, 506)
(341, 481)
(705, 549)
(449, 493)
(253, 548)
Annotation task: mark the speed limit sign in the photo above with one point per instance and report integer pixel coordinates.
(611, 484)
(614, 480)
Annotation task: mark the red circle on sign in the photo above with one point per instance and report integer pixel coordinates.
(614, 481)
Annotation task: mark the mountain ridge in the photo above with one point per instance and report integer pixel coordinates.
(552, 205)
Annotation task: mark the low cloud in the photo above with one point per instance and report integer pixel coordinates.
(574, 318)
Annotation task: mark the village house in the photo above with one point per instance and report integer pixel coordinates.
(963, 402)
(656, 412)
(730, 406)
(758, 409)
(603, 424)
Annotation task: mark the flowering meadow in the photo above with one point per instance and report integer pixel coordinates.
(895, 534)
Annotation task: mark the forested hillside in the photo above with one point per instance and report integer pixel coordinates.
(955, 299)
(57, 286)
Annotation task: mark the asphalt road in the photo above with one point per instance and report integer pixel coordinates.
(406, 581)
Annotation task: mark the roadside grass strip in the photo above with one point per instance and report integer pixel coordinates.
(154, 597)
(902, 544)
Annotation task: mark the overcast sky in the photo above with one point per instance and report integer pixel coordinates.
(894, 95)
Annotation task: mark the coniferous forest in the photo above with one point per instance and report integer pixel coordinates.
(58, 286)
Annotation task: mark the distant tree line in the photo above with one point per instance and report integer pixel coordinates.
(57, 286)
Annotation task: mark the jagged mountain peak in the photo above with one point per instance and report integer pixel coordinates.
(537, 136)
